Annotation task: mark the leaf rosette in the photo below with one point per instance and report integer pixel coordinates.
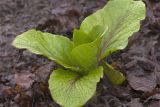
(100, 34)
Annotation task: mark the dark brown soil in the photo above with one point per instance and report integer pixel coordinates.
(24, 76)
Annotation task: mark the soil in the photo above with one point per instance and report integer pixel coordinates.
(24, 76)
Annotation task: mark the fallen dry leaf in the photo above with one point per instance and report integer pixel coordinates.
(25, 80)
(144, 83)
(135, 103)
(155, 104)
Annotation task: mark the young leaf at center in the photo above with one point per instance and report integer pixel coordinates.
(85, 56)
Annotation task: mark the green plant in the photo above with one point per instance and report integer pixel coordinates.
(100, 34)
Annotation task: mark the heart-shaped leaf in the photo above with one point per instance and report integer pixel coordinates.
(69, 89)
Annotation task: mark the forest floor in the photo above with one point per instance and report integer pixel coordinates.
(24, 76)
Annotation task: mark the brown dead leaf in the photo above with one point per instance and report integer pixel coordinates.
(43, 72)
(144, 83)
(7, 90)
(135, 103)
(25, 80)
(152, 98)
(18, 88)
(155, 104)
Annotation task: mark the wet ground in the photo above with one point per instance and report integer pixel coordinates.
(24, 76)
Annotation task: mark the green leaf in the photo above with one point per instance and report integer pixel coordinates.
(81, 37)
(70, 89)
(85, 56)
(122, 23)
(54, 47)
(117, 21)
(114, 76)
